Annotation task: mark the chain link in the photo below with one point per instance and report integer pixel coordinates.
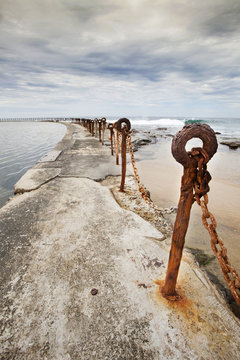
(141, 188)
(201, 188)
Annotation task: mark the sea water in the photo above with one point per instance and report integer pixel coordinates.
(22, 144)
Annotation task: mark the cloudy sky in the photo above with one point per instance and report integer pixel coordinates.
(122, 58)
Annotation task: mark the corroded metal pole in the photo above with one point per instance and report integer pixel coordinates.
(92, 130)
(124, 130)
(110, 127)
(124, 158)
(207, 135)
(117, 143)
(100, 129)
(89, 125)
(103, 129)
(180, 229)
(117, 150)
(95, 126)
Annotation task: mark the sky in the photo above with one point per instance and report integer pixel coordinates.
(120, 58)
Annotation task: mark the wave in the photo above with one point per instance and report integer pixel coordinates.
(157, 122)
(193, 121)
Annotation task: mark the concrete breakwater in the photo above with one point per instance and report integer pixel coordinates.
(80, 274)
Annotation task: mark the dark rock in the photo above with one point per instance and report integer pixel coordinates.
(217, 133)
(153, 139)
(135, 131)
(231, 144)
(140, 142)
(143, 141)
(161, 128)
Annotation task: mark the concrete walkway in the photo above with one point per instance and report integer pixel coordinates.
(65, 235)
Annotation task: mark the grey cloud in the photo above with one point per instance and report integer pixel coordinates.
(225, 23)
(89, 10)
(43, 84)
(189, 41)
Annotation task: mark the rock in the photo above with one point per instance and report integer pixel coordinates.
(140, 142)
(217, 133)
(161, 128)
(231, 144)
(134, 131)
(153, 139)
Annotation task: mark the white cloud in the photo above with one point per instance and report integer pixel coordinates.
(147, 57)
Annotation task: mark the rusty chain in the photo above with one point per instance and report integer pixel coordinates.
(201, 189)
(118, 144)
(141, 188)
(114, 140)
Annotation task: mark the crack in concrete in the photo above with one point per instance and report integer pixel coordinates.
(22, 191)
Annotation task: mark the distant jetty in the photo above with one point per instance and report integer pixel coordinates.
(55, 119)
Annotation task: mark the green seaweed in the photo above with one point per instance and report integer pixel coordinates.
(202, 258)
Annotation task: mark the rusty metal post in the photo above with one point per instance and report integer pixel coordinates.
(100, 129)
(124, 160)
(207, 135)
(95, 126)
(92, 130)
(180, 229)
(110, 127)
(117, 152)
(117, 143)
(103, 128)
(124, 130)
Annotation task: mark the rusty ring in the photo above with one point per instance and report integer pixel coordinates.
(104, 119)
(119, 123)
(110, 126)
(201, 131)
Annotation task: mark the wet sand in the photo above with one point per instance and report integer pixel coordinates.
(161, 174)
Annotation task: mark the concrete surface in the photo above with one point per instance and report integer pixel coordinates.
(50, 156)
(69, 236)
(34, 178)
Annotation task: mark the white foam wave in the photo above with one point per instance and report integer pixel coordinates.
(157, 122)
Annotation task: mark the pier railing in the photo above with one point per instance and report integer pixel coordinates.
(194, 188)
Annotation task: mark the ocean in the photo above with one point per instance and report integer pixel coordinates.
(228, 127)
(22, 144)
